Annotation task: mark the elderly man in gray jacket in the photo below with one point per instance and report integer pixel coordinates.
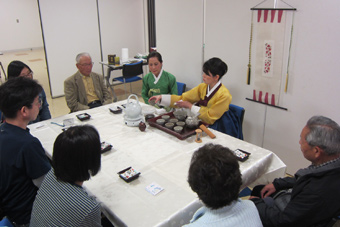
(85, 89)
(311, 197)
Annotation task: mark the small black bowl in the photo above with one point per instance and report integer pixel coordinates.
(149, 116)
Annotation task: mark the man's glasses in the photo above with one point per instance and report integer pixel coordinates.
(39, 101)
(86, 65)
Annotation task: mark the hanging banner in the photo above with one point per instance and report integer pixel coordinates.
(269, 36)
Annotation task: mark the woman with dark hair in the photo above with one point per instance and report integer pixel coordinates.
(157, 81)
(18, 68)
(61, 199)
(215, 176)
(209, 100)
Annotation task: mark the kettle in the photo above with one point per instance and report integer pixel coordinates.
(192, 120)
(133, 110)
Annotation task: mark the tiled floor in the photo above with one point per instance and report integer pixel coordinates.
(35, 59)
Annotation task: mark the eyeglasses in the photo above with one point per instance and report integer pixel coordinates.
(30, 74)
(39, 101)
(86, 65)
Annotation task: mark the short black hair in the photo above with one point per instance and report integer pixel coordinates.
(17, 93)
(216, 67)
(15, 67)
(155, 54)
(215, 176)
(76, 154)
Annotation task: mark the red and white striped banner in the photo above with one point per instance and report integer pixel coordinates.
(269, 33)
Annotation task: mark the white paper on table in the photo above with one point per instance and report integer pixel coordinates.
(154, 188)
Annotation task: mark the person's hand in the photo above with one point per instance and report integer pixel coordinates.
(155, 99)
(268, 190)
(254, 197)
(183, 104)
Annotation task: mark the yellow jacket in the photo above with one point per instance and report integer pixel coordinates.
(216, 106)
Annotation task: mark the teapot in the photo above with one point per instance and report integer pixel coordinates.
(133, 110)
(192, 121)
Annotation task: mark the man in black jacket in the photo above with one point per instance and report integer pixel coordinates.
(315, 190)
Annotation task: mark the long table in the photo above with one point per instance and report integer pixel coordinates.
(162, 159)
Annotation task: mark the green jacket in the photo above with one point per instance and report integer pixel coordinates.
(165, 85)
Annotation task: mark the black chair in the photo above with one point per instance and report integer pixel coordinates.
(335, 222)
(130, 73)
(181, 88)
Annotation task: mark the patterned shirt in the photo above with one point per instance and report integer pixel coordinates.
(60, 203)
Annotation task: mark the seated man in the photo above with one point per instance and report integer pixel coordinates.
(85, 89)
(314, 190)
(23, 163)
(215, 176)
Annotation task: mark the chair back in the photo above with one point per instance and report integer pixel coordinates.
(334, 222)
(6, 222)
(181, 88)
(231, 122)
(239, 112)
(133, 69)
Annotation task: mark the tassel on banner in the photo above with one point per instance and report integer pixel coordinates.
(260, 96)
(266, 98)
(250, 41)
(286, 86)
(248, 74)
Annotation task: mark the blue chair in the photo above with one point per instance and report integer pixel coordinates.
(6, 222)
(181, 88)
(231, 122)
(245, 192)
(2, 118)
(130, 73)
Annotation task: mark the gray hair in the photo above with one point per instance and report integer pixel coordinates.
(324, 133)
(82, 55)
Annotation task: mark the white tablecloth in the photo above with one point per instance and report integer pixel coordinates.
(161, 158)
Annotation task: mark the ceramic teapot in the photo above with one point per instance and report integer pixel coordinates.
(192, 121)
(133, 110)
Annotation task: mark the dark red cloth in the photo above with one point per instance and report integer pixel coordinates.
(206, 99)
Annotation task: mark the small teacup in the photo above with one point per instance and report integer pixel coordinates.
(173, 120)
(169, 125)
(160, 121)
(178, 129)
(166, 117)
(180, 123)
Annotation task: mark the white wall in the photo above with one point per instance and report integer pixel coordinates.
(122, 26)
(314, 72)
(179, 38)
(71, 27)
(313, 87)
(26, 33)
(67, 32)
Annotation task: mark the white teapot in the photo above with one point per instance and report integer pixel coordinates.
(133, 110)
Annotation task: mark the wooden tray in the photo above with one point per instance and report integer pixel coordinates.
(183, 135)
